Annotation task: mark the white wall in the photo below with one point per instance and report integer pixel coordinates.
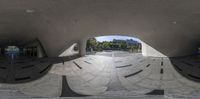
(70, 51)
(150, 51)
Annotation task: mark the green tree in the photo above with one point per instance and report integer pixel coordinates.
(99, 46)
(123, 45)
(91, 43)
(106, 45)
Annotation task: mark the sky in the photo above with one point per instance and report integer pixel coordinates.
(110, 38)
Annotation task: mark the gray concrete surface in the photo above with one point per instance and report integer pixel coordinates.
(109, 75)
(125, 74)
(171, 27)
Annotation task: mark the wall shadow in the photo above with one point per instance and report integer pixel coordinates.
(28, 69)
(187, 66)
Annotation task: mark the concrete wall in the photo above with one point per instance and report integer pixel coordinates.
(36, 43)
(149, 51)
(171, 27)
(70, 51)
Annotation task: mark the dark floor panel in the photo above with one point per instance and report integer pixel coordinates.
(133, 74)
(77, 65)
(2, 67)
(161, 71)
(87, 62)
(124, 66)
(187, 63)
(162, 63)
(156, 92)
(28, 66)
(42, 61)
(12, 70)
(193, 76)
(179, 69)
(187, 67)
(20, 62)
(46, 68)
(148, 65)
(24, 78)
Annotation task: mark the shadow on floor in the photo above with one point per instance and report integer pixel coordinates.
(28, 69)
(187, 66)
(67, 91)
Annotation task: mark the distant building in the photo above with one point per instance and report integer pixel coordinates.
(129, 42)
(118, 41)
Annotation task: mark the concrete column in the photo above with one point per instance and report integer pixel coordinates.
(2, 51)
(35, 51)
(82, 47)
(40, 53)
(31, 51)
(149, 51)
(28, 51)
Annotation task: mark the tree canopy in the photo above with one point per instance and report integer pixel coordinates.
(93, 44)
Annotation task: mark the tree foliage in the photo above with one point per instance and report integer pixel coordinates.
(93, 44)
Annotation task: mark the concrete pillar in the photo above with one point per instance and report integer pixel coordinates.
(26, 51)
(2, 51)
(149, 51)
(82, 47)
(40, 53)
(35, 51)
(31, 51)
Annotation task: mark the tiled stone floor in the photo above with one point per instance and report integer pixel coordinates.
(115, 75)
(126, 75)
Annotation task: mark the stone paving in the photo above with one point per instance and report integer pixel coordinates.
(114, 75)
(124, 74)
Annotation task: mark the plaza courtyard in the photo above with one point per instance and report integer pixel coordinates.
(113, 74)
(44, 51)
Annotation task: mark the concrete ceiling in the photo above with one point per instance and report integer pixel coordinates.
(170, 26)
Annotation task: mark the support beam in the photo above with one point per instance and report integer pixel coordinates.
(82, 46)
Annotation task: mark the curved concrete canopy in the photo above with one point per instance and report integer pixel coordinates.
(170, 26)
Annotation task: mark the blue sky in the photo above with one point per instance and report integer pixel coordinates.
(110, 38)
